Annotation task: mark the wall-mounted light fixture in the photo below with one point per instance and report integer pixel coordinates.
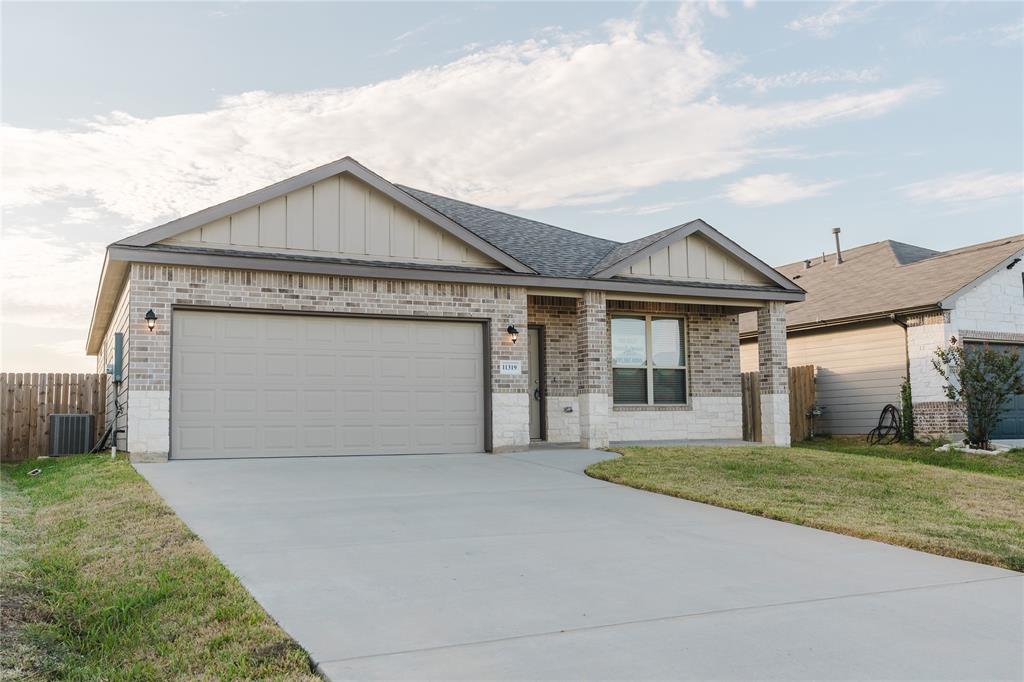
(513, 333)
(150, 319)
(1014, 262)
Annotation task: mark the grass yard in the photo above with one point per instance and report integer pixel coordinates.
(100, 580)
(1007, 464)
(962, 514)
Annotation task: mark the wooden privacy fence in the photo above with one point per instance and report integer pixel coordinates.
(801, 399)
(28, 400)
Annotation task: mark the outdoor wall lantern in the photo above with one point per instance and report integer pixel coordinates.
(513, 333)
(151, 319)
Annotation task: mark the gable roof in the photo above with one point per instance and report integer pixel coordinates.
(279, 189)
(886, 277)
(535, 254)
(630, 252)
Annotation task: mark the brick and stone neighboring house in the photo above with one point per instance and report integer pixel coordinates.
(337, 313)
(879, 315)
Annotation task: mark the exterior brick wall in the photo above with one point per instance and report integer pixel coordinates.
(712, 344)
(592, 348)
(161, 287)
(773, 367)
(938, 419)
(577, 349)
(772, 362)
(558, 317)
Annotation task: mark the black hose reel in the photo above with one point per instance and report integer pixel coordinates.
(889, 429)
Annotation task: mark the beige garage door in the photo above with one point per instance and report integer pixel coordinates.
(268, 385)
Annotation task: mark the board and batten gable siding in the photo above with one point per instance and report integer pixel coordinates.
(340, 216)
(119, 322)
(694, 258)
(860, 369)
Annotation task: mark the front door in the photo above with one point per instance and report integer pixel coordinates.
(535, 370)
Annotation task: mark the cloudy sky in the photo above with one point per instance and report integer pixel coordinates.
(773, 121)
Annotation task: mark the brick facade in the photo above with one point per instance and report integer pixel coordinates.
(162, 287)
(938, 418)
(713, 409)
(991, 310)
(773, 366)
(577, 349)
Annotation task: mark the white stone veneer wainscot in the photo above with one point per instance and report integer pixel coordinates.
(149, 425)
(562, 426)
(510, 421)
(709, 418)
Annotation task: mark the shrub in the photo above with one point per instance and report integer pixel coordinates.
(907, 410)
(979, 381)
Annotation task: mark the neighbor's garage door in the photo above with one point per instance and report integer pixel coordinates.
(277, 385)
(1012, 423)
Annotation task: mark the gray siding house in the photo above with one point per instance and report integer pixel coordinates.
(337, 313)
(879, 315)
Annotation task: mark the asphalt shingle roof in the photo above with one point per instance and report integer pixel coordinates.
(885, 277)
(548, 249)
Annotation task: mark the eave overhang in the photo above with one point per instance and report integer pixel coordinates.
(120, 256)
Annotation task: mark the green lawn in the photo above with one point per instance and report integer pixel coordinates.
(1007, 464)
(963, 514)
(100, 580)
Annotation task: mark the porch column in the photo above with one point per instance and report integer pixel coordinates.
(774, 369)
(592, 367)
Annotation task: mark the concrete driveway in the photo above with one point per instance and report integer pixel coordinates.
(520, 566)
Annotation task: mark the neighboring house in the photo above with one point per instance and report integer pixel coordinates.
(336, 313)
(880, 314)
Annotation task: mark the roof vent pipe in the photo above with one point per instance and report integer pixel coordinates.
(839, 251)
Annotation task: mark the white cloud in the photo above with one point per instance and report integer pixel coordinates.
(648, 209)
(778, 188)
(568, 120)
(643, 98)
(976, 186)
(795, 79)
(825, 24)
(48, 281)
(1000, 35)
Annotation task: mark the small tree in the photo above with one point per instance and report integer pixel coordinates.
(979, 381)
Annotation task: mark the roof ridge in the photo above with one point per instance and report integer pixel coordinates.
(981, 246)
(845, 252)
(511, 215)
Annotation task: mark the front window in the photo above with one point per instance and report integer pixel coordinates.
(648, 360)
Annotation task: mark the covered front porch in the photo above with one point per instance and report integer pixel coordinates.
(611, 367)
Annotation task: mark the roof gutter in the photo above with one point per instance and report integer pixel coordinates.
(118, 256)
(322, 267)
(853, 319)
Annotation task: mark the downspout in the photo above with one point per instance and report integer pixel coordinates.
(906, 341)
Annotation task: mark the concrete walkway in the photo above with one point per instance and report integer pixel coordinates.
(520, 566)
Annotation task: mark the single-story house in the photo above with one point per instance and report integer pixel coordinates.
(337, 313)
(876, 314)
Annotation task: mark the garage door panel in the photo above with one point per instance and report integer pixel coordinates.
(320, 367)
(253, 384)
(280, 331)
(239, 439)
(245, 365)
(240, 329)
(198, 364)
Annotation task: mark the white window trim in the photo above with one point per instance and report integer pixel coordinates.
(649, 365)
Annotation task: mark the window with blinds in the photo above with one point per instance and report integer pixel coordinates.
(648, 360)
